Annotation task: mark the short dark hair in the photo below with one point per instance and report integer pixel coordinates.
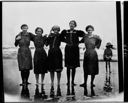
(89, 26)
(74, 22)
(23, 25)
(38, 28)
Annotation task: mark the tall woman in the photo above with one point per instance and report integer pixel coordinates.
(90, 63)
(40, 56)
(71, 38)
(24, 53)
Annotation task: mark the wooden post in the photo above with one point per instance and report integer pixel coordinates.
(125, 8)
(119, 41)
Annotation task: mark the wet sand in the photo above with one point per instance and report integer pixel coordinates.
(12, 80)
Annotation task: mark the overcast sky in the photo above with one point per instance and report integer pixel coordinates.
(102, 15)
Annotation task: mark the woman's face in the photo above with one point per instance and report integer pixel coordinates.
(24, 28)
(56, 31)
(39, 32)
(90, 30)
(72, 25)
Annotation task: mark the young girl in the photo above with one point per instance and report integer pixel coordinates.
(24, 54)
(108, 56)
(90, 63)
(40, 56)
(54, 54)
(71, 38)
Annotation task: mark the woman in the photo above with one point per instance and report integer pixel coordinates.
(40, 56)
(90, 63)
(54, 54)
(71, 38)
(24, 54)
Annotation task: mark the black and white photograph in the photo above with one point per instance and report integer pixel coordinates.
(62, 52)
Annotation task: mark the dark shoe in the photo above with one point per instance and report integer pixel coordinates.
(73, 84)
(58, 91)
(52, 92)
(92, 93)
(28, 83)
(85, 91)
(44, 96)
(92, 85)
(68, 83)
(83, 85)
(22, 84)
(68, 90)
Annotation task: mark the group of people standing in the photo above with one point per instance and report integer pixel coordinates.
(53, 62)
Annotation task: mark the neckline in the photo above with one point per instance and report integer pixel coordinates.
(91, 36)
(25, 34)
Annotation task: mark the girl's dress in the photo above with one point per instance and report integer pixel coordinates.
(107, 53)
(40, 56)
(24, 53)
(90, 63)
(54, 53)
(72, 49)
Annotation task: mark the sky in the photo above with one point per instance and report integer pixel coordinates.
(102, 15)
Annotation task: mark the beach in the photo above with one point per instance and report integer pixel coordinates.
(12, 80)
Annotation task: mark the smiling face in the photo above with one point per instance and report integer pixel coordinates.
(90, 30)
(24, 28)
(72, 25)
(56, 31)
(39, 31)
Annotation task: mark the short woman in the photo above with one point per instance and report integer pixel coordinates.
(40, 56)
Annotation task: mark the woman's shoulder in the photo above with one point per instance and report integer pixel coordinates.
(50, 35)
(19, 34)
(96, 36)
(31, 34)
(80, 31)
(65, 31)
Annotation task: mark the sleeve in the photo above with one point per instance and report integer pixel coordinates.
(81, 33)
(32, 36)
(83, 39)
(111, 53)
(47, 40)
(98, 41)
(104, 54)
(16, 41)
(62, 36)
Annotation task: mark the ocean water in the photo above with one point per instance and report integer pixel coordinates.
(11, 53)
